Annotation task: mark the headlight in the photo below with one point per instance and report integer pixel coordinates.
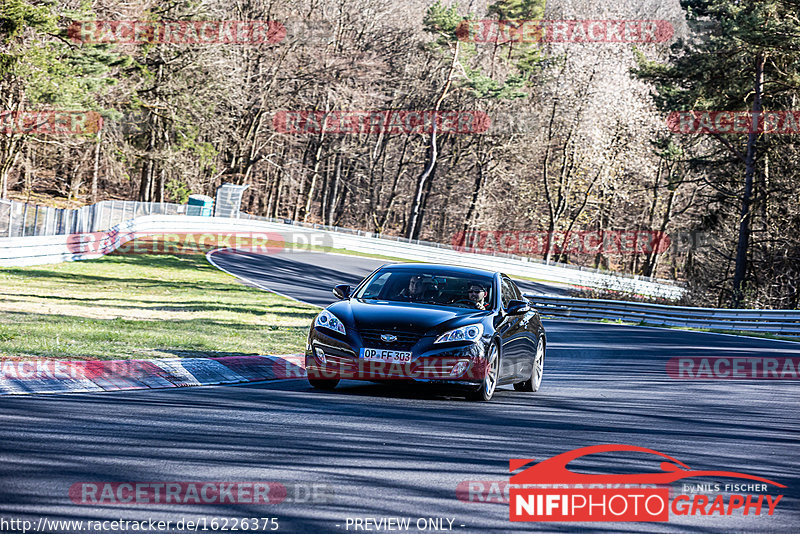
(328, 320)
(471, 332)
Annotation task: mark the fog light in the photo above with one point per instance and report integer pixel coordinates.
(320, 355)
(459, 368)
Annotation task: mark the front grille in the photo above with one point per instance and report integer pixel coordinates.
(405, 339)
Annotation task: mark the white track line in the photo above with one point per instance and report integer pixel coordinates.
(251, 282)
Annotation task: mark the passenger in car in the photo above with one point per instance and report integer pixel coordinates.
(420, 287)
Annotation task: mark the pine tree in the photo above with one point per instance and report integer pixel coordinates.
(748, 62)
(40, 68)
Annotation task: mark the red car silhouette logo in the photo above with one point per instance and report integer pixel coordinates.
(554, 470)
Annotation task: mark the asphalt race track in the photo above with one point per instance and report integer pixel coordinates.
(386, 451)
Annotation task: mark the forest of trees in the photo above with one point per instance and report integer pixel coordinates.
(577, 141)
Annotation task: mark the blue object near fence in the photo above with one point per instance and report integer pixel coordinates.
(200, 205)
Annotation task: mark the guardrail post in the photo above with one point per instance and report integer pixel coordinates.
(36, 221)
(47, 220)
(24, 219)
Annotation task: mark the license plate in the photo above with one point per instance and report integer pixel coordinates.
(383, 355)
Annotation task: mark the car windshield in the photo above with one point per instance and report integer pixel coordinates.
(452, 289)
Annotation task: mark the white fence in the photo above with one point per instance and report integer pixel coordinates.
(19, 219)
(781, 322)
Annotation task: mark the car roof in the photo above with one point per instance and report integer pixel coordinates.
(438, 268)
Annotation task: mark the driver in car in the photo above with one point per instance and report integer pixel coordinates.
(477, 294)
(420, 287)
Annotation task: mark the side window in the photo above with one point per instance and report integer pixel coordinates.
(517, 292)
(507, 291)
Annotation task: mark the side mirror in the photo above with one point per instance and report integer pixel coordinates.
(342, 291)
(518, 307)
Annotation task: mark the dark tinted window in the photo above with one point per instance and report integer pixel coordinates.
(443, 288)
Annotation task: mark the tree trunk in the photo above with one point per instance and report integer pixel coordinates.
(473, 202)
(651, 260)
(146, 184)
(325, 189)
(313, 184)
(5, 172)
(159, 193)
(744, 221)
(341, 207)
(433, 154)
(423, 204)
(422, 182)
(334, 194)
(275, 189)
(381, 225)
(548, 246)
(302, 187)
(278, 191)
(96, 169)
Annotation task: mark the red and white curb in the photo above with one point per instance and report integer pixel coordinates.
(25, 377)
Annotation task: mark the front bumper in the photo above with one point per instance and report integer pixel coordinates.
(331, 357)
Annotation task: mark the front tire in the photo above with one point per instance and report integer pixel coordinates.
(533, 384)
(489, 384)
(326, 384)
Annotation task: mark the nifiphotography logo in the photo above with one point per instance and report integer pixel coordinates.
(535, 494)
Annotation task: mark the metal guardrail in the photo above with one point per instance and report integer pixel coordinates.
(779, 322)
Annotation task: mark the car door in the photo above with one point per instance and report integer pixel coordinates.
(512, 333)
(528, 337)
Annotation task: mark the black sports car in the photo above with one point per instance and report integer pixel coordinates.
(467, 328)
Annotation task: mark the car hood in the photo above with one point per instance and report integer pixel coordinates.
(402, 315)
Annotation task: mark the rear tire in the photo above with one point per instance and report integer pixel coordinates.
(533, 384)
(326, 384)
(489, 384)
